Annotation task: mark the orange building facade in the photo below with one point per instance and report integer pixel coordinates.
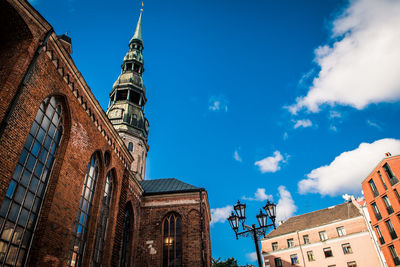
(381, 191)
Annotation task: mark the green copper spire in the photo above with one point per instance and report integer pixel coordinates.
(138, 31)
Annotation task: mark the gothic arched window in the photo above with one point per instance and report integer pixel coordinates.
(26, 191)
(172, 241)
(103, 220)
(82, 220)
(127, 236)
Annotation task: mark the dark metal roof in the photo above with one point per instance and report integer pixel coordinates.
(167, 186)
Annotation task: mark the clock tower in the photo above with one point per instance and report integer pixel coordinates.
(127, 101)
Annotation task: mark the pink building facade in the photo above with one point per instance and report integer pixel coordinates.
(335, 236)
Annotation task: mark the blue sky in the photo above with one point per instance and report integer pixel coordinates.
(295, 101)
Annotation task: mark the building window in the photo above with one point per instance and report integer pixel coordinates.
(127, 236)
(394, 255)
(82, 219)
(397, 195)
(392, 178)
(347, 248)
(294, 259)
(380, 236)
(389, 207)
(103, 220)
(391, 229)
(26, 191)
(373, 188)
(274, 246)
(130, 146)
(172, 244)
(278, 262)
(352, 264)
(383, 181)
(310, 256)
(306, 239)
(323, 236)
(290, 243)
(328, 252)
(376, 211)
(341, 231)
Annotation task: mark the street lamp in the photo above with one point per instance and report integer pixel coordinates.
(240, 216)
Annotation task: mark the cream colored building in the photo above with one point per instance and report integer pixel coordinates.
(335, 236)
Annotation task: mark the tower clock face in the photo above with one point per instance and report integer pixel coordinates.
(116, 113)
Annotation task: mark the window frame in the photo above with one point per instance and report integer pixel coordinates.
(274, 246)
(341, 231)
(373, 187)
(310, 255)
(323, 236)
(378, 214)
(306, 239)
(387, 203)
(391, 229)
(22, 203)
(390, 174)
(172, 243)
(347, 249)
(294, 259)
(328, 252)
(290, 242)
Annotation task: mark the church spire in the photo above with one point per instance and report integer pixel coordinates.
(138, 31)
(127, 102)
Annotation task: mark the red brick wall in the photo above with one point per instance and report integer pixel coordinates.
(85, 132)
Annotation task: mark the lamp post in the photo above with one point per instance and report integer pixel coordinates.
(239, 217)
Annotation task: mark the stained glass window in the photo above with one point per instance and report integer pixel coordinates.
(172, 241)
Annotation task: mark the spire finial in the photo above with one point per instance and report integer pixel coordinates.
(138, 31)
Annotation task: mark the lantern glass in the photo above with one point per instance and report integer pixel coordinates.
(270, 209)
(234, 221)
(240, 210)
(262, 219)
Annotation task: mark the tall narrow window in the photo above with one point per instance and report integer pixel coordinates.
(323, 236)
(103, 220)
(172, 244)
(397, 195)
(373, 188)
(380, 236)
(274, 246)
(376, 211)
(394, 255)
(391, 229)
(389, 207)
(130, 146)
(341, 231)
(127, 237)
(392, 178)
(290, 243)
(82, 220)
(383, 181)
(306, 239)
(26, 191)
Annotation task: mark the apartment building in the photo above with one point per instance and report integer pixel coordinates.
(335, 236)
(381, 192)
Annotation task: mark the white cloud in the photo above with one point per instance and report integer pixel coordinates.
(302, 123)
(270, 164)
(375, 125)
(259, 195)
(333, 128)
(220, 214)
(285, 136)
(236, 156)
(218, 103)
(334, 114)
(285, 207)
(362, 65)
(346, 172)
(251, 256)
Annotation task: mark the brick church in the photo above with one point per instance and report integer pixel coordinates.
(72, 188)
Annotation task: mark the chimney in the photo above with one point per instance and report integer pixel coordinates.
(387, 154)
(66, 42)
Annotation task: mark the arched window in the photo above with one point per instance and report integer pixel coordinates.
(127, 237)
(82, 220)
(172, 241)
(103, 220)
(130, 146)
(26, 191)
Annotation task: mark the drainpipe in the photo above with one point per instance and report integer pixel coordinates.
(202, 228)
(301, 249)
(25, 79)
